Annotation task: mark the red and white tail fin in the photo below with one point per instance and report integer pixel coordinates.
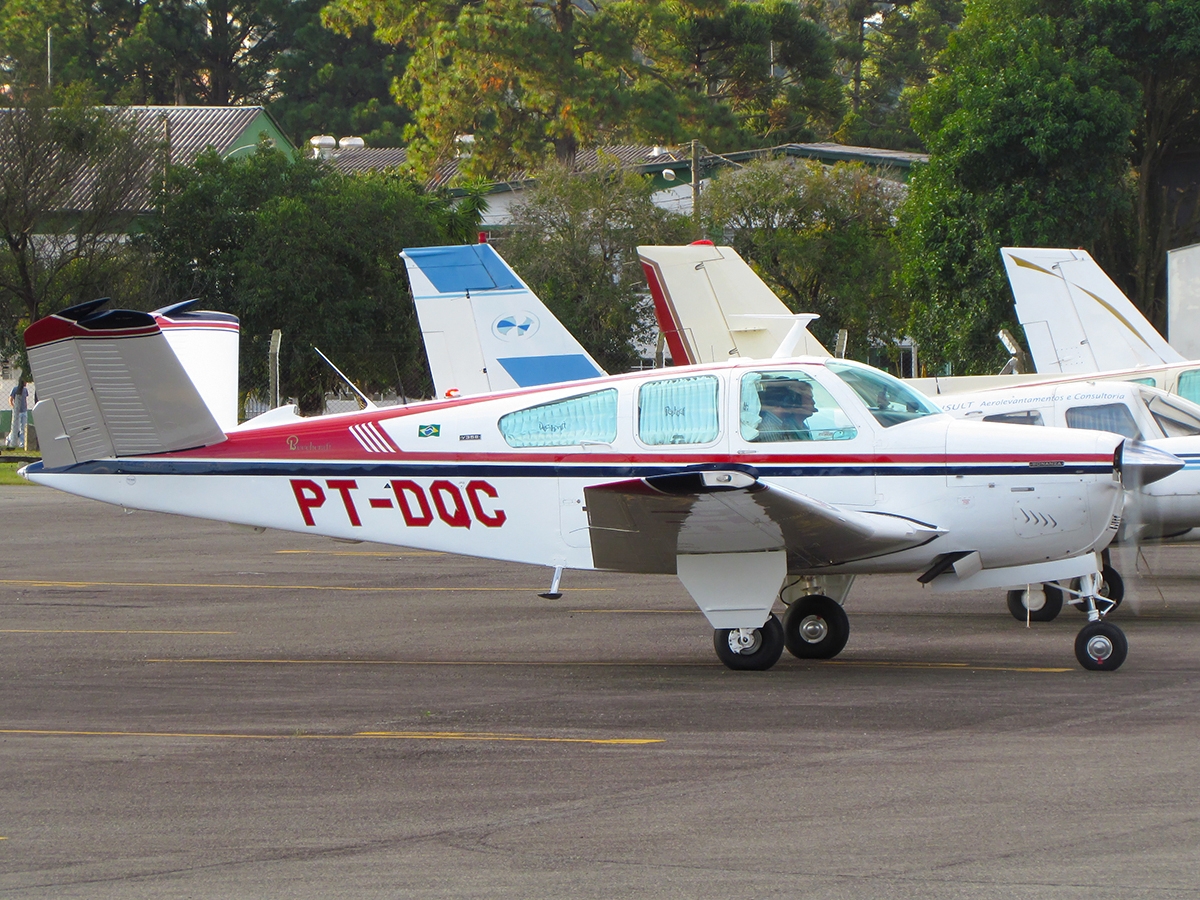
(109, 384)
(206, 343)
(711, 305)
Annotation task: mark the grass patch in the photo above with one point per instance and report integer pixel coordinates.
(8, 473)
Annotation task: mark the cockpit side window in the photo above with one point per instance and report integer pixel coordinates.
(588, 418)
(679, 410)
(1114, 417)
(1189, 385)
(888, 399)
(1023, 417)
(790, 406)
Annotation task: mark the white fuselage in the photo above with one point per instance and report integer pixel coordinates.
(444, 476)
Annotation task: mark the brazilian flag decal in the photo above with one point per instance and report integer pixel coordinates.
(429, 431)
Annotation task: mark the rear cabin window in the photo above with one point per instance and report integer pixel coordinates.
(1024, 417)
(1114, 417)
(790, 406)
(679, 411)
(588, 418)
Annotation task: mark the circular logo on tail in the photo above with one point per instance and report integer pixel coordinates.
(514, 326)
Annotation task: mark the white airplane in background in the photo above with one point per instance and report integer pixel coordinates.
(484, 329)
(696, 471)
(1169, 508)
(1079, 323)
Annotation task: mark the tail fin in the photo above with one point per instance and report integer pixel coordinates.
(109, 384)
(711, 305)
(1076, 320)
(206, 344)
(484, 329)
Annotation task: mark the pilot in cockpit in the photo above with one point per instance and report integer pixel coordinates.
(785, 406)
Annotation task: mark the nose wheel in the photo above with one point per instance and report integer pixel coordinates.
(1101, 647)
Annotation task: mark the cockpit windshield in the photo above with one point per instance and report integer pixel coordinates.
(1174, 415)
(888, 399)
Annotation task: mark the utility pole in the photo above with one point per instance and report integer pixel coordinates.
(696, 182)
(273, 364)
(48, 30)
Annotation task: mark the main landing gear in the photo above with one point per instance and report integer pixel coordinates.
(814, 627)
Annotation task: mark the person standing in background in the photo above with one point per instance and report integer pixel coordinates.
(18, 399)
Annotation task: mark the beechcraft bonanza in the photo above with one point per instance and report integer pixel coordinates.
(743, 478)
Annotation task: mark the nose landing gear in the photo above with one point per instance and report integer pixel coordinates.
(1100, 646)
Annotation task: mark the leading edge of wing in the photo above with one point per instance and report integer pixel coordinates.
(643, 524)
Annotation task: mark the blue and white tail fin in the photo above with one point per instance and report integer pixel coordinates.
(110, 385)
(1076, 320)
(711, 306)
(484, 329)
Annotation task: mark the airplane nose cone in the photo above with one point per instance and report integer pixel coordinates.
(1140, 464)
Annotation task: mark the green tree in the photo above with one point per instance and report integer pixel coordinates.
(821, 237)
(533, 80)
(888, 52)
(336, 84)
(1028, 132)
(296, 245)
(1157, 45)
(73, 178)
(574, 241)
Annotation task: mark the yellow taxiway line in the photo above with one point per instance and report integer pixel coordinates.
(358, 735)
(100, 631)
(536, 663)
(34, 582)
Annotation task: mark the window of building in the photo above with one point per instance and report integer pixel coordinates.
(588, 418)
(679, 411)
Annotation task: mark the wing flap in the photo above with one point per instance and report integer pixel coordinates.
(643, 524)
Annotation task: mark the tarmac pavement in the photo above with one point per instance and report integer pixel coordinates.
(189, 710)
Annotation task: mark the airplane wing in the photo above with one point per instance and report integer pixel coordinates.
(1076, 320)
(643, 524)
(109, 384)
(484, 329)
(711, 305)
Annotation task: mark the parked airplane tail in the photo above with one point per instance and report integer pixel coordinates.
(1076, 320)
(206, 344)
(711, 306)
(109, 384)
(484, 329)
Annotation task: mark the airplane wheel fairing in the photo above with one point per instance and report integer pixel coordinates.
(815, 627)
(1101, 647)
(1049, 610)
(763, 650)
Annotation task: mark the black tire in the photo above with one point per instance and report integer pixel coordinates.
(1112, 587)
(815, 627)
(759, 658)
(1101, 647)
(1049, 611)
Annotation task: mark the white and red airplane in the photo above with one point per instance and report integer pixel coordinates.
(698, 471)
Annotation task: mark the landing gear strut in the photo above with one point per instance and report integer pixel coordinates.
(1100, 646)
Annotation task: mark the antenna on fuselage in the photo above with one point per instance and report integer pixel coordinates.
(366, 401)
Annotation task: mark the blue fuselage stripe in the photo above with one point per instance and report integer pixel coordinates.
(539, 470)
